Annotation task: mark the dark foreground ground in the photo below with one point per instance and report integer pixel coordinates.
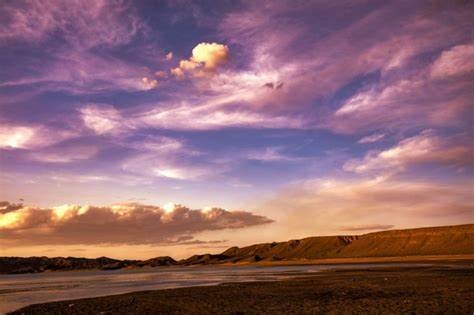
(427, 290)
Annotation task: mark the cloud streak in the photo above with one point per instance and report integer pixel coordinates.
(84, 23)
(425, 147)
(364, 202)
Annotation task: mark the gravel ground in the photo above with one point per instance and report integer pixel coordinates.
(423, 290)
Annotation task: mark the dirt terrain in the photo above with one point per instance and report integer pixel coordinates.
(400, 290)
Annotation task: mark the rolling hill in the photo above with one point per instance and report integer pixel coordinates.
(432, 241)
(446, 240)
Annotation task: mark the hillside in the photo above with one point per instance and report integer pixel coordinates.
(433, 241)
(446, 240)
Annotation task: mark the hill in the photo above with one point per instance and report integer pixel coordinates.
(432, 241)
(446, 240)
(14, 265)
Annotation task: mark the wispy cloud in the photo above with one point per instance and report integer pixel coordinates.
(425, 147)
(65, 154)
(365, 202)
(30, 136)
(81, 23)
(371, 138)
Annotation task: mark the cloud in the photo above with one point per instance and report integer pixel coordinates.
(166, 157)
(16, 137)
(82, 73)
(30, 137)
(332, 203)
(425, 147)
(270, 154)
(101, 118)
(157, 145)
(211, 55)
(80, 23)
(207, 120)
(371, 138)
(183, 172)
(149, 84)
(435, 94)
(169, 56)
(65, 154)
(457, 61)
(117, 224)
(214, 116)
(205, 58)
(391, 65)
(6, 207)
(165, 164)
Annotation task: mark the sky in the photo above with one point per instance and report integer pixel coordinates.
(136, 129)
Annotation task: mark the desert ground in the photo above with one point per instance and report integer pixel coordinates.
(431, 289)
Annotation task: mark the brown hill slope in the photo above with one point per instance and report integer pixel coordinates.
(433, 241)
(446, 240)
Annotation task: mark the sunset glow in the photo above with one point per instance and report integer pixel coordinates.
(136, 129)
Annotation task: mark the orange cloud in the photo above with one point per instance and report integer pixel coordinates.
(323, 206)
(205, 58)
(117, 224)
(149, 84)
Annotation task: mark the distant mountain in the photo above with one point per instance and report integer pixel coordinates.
(13, 265)
(445, 240)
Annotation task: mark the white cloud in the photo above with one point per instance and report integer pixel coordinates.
(371, 138)
(66, 154)
(270, 154)
(16, 137)
(425, 147)
(102, 119)
(29, 137)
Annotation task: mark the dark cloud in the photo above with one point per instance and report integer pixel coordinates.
(131, 223)
(274, 85)
(6, 206)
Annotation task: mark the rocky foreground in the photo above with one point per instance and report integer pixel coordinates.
(433, 241)
(422, 290)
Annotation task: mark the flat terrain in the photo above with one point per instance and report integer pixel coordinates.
(385, 290)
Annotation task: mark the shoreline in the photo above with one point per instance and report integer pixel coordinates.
(405, 288)
(431, 259)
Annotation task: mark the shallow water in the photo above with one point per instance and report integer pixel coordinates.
(17, 291)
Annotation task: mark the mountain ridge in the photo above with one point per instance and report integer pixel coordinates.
(427, 241)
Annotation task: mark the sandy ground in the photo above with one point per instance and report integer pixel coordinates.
(385, 290)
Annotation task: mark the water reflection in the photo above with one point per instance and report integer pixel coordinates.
(20, 290)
